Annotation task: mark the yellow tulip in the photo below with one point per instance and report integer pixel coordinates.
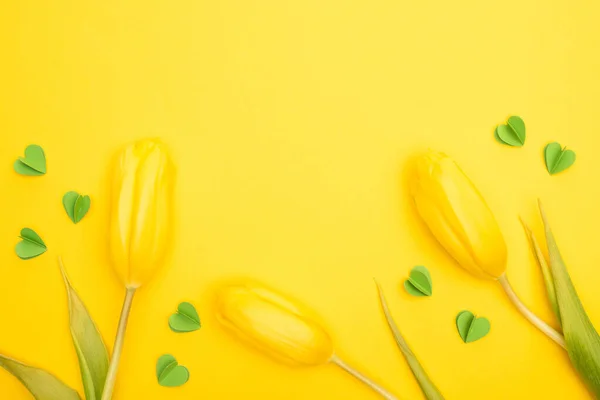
(140, 221)
(140, 226)
(274, 325)
(280, 329)
(459, 218)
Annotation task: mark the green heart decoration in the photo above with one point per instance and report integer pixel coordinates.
(513, 133)
(31, 245)
(558, 158)
(419, 282)
(169, 373)
(76, 205)
(34, 162)
(471, 328)
(186, 319)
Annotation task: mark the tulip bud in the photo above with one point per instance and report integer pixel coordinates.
(140, 220)
(462, 222)
(274, 325)
(280, 329)
(458, 216)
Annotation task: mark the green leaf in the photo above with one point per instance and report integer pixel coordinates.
(91, 352)
(169, 373)
(582, 339)
(471, 328)
(427, 386)
(76, 205)
(546, 272)
(419, 282)
(41, 384)
(31, 245)
(34, 162)
(513, 133)
(558, 158)
(186, 319)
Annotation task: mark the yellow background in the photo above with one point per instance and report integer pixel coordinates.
(291, 123)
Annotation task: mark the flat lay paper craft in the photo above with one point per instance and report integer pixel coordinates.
(513, 133)
(169, 373)
(33, 163)
(470, 327)
(419, 282)
(186, 319)
(558, 158)
(31, 245)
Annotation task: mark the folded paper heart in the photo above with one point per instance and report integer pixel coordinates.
(513, 133)
(31, 245)
(76, 205)
(558, 158)
(186, 319)
(470, 328)
(169, 373)
(419, 282)
(34, 162)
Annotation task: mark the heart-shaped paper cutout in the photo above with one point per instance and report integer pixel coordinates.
(31, 245)
(471, 328)
(76, 205)
(558, 158)
(186, 319)
(169, 373)
(513, 133)
(34, 162)
(419, 282)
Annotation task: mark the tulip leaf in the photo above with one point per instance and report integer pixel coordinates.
(41, 384)
(546, 272)
(513, 133)
(186, 319)
(76, 205)
(427, 386)
(169, 373)
(90, 349)
(581, 338)
(419, 282)
(471, 328)
(30, 246)
(558, 158)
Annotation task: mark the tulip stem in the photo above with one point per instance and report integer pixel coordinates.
(111, 377)
(381, 391)
(534, 319)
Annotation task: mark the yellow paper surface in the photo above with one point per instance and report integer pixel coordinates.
(291, 123)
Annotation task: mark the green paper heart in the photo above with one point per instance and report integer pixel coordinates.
(186, 319)
(471, 328)
(23, 169)
(34, 162)
(31, 245)
(513, 133)
(76, 205)
(558, 158)
(419, 282)
(169, 373)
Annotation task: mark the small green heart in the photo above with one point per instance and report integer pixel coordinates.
(513, 133)
(186, 319)
(76, 205)
(169, 373)
(558, 158)
(34, 162)
(419, 282)
(31, 245)
(471, 328)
